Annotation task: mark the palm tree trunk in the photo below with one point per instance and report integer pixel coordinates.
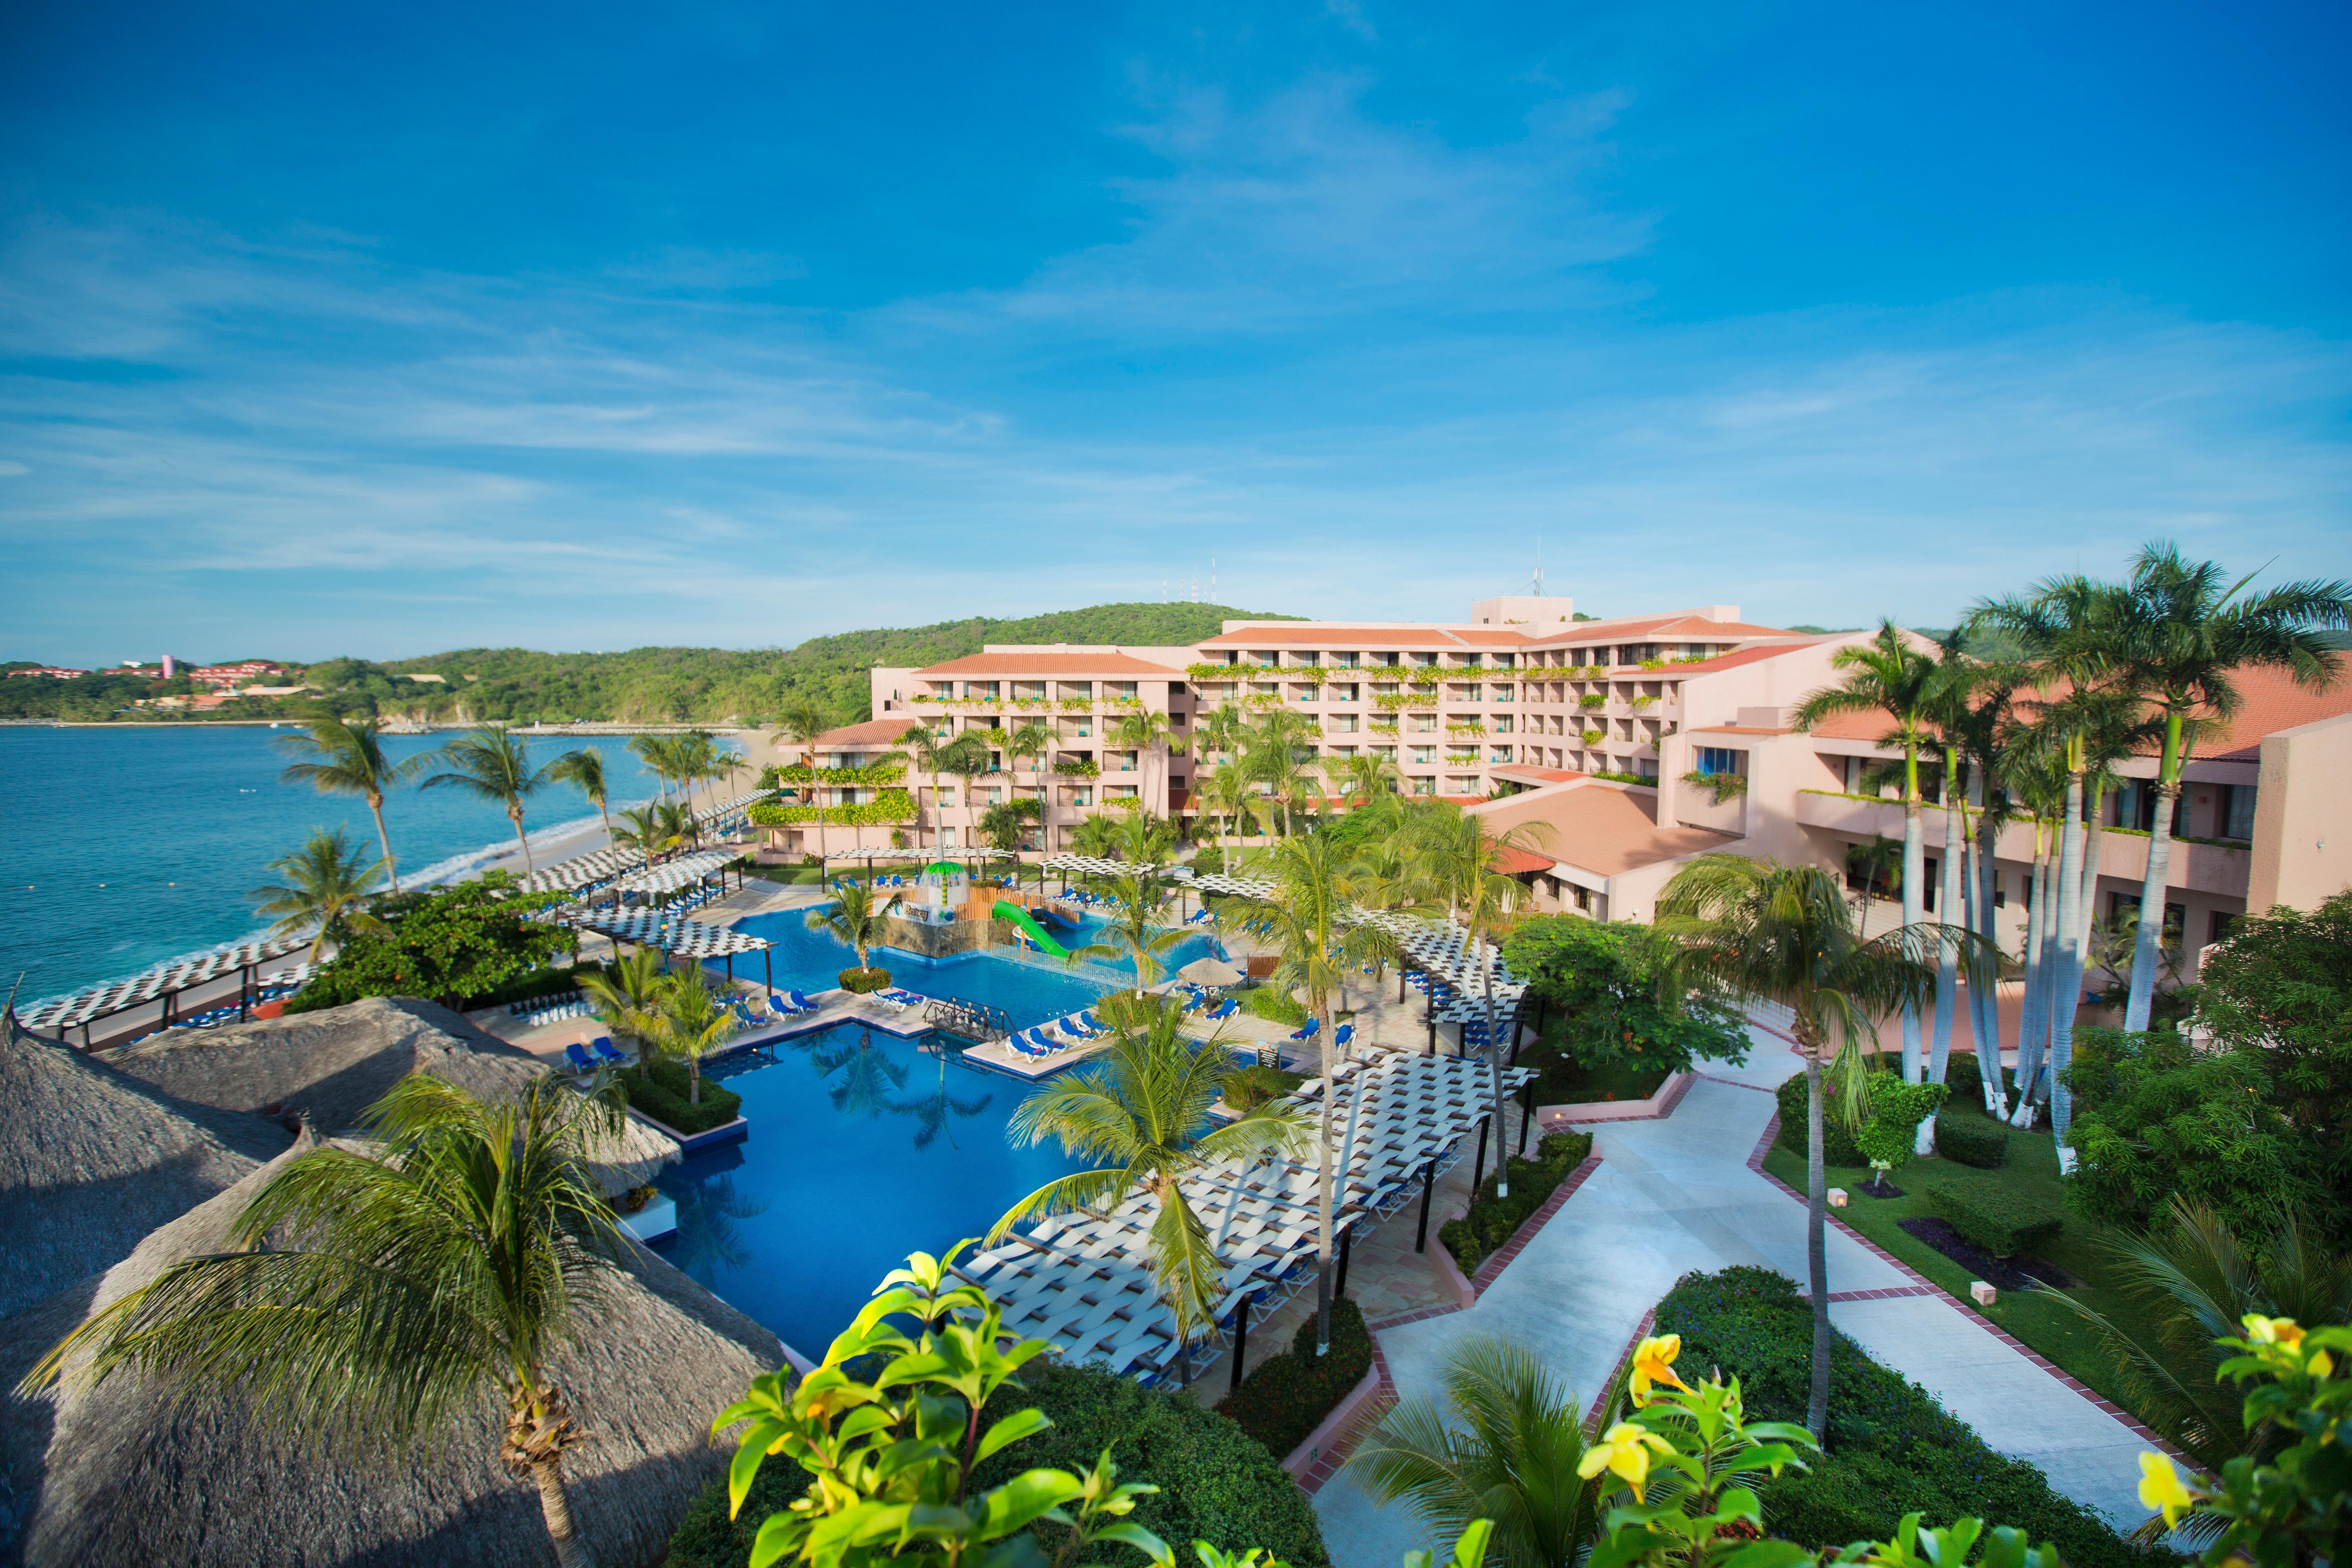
(2033, 1015)
(2066, 988)
(555, 1509)
(1948, 898)
(2142, 998)
(2094, 831)
(1494, 1061)
(1986, 1019)
(375, 808)
(1816, 1257)
(1325, 1207)
(514, 814)
(1914, 876)
(608, 820)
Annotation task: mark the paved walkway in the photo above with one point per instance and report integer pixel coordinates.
(1676, 1194)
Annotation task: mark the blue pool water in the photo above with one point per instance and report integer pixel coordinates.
(864, 1147)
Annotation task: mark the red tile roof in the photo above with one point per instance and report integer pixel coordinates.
(1051, 662)
(1604, 829)
(1322, 635)
(1528, 770)
(858, 737)
(1513, 862)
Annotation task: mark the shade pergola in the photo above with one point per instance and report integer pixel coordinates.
(675, 935)
(733, 805)
(583, 871)
(1090, 866)
(686, 871)
(161, 984)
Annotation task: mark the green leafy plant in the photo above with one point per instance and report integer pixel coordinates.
(2000, 1220)
(888, 807)
(1492, 1219)
(1896, 1108)
(1286, 1396)
(1720, 787)
(1602, 980)
(448, 944)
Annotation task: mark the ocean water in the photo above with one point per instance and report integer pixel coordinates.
(120, 847)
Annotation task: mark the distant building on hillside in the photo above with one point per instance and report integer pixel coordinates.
(240, 674)
(55, 672)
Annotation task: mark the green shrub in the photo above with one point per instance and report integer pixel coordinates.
(1891, 1449)
(2000, 1219)
(1491, 1222)
(1216, 1483)
(1838, 1145)
(1976, 1141)
(1275, 1007)
(660, 1092)
(1288, 1395)
(862, 981)
(1896, 1108)
(1964, 1079)
(1250, 1087)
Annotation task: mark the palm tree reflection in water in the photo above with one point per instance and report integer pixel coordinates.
(707, 1244)
(867, 1078)
(932, 1113)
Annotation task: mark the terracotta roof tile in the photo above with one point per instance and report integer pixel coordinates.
(873, 732)
(1053, 662)
(1605, 829)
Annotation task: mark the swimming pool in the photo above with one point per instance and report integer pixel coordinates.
(1030, 988)
(863, 1147)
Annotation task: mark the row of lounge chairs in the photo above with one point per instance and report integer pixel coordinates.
(898, 998)
(1212, 1008)
(603, 1055)
(1059, 1036)
(541, 1003)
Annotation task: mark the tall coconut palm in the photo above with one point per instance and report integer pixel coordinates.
(1460, 853)
(968, 759)
(1029, 743)
(689, 1021)
(1986, 732)
(1305, 922)
(1138, 1110)
(1365, 779)
(1890, 675)
(492, 764)
(855, 917)
(325, 891)
(1223, 730)
(1226, 792)
(584, 768)
(346, 757)
(1273, 756)
(644, 829)
(1147, 730)
(927, 749)
(1949, 710)
(802, 721)
(1756, 930)
(388, 1297)
(1136, 928)
(659, 754)
(626, 992)
(1503, 1444)
(2176, 632)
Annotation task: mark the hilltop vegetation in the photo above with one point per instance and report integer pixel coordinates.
(651, 684)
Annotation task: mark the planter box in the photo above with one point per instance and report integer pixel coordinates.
(1669, 1095)
(733, 1132)
(1302, 1459)
(655, 1220)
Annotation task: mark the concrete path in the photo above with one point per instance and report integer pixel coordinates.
(1675, 1195)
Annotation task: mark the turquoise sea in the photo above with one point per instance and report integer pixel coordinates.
(120, 847)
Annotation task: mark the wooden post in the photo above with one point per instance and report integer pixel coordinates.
(1527, 1113)
(1428, 1181)
(1478, 1169)
(1241, 1340)
(1347, 1240)
(768, 967)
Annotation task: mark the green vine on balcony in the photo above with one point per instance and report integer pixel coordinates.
(1594, 737)
(876, 775)
(1077, 767)
(892, 806)
(1640, 702)
(1721, 786)
(1592, 699)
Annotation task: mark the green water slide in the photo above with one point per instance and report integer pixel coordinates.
(1020, 917)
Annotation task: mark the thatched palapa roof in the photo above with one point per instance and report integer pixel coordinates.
(91, 1161)
(116, 1475)
(331, 1066)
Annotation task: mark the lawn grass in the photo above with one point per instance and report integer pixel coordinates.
(2030, 1315)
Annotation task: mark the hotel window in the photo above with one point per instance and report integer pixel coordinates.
(1265, 688)
(1499, 754)
(1424, 661)
(1422, 785)
(1119, 792)
(1382, 660)
(1714, 760)
(1122, 689)
(1084, 795)
(1465, 693)
(1583, 895)
(1502, 723)
(1265, 655)
(1344, 692)
(2217, 928)
(1384, 688)
(1502, 694)
(1386, 753)
(1344, 660)
(1077, 690)
(1424, 754)
(1505, 661)
(2237, 814)
(1342, 723)
(1343, 753)
(1421, 723)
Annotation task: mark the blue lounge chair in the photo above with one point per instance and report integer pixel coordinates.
(1308, 1032)
(1224, 1010)
(801, 1003)
(603, 1045)
(1094, 1025)
(1342, 1035)
(577, 1055)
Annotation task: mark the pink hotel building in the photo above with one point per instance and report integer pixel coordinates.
(1516, 711)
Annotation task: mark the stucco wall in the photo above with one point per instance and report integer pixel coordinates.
(2302, 819)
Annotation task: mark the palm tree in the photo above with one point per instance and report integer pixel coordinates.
(1140, 1110)
(676, 822)
(1503, 1444)
(659, 754)
(490, 763)
(586, 769)
(1226, 792)
(347, 758)
(381, 1296)
(1097, 836)
(1307, 920)
(1950, 708)
(800, 724)
(326, 890)
(928, 749)
(1274, 761)
(1365, 779)
(1756, 930)
(1986, 732)
(626, 992)
(1888, 675)
(853, 917)
(1459, 855)
(2195, 1279)
(867, 1076)
(2175, 634)
(1223, 730)
(1147, 730)
(1135, 929)
(966, 759)
(644, 829)
(1029, 743)
(689, 1021)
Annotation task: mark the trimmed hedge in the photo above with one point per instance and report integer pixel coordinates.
(1891, 1449)
(1838, 1145)
(1492, 1221)
(1972, 1141)
(660, 1090)
(2001, 1221)
(1288, 1394)
(1216, 1485)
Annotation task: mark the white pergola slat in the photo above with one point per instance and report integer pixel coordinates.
(651, 928)
(151, 985)
(583, 871)
(1090, 866)
(670, 876)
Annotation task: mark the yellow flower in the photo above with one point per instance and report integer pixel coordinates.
(2273, 1331)
(1654, 1361)
(2160, 1485)
(1624, 1448)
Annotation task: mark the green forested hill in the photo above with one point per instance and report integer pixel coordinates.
(701, 684)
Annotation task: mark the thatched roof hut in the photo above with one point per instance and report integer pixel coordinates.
(91, 1161)
(332, 1064)
(116, 1475)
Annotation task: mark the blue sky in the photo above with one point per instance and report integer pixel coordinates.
(387, 329)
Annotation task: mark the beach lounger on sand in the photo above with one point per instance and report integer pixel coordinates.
(577, 1055)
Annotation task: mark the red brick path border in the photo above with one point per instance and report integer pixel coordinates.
(1923, 1286)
